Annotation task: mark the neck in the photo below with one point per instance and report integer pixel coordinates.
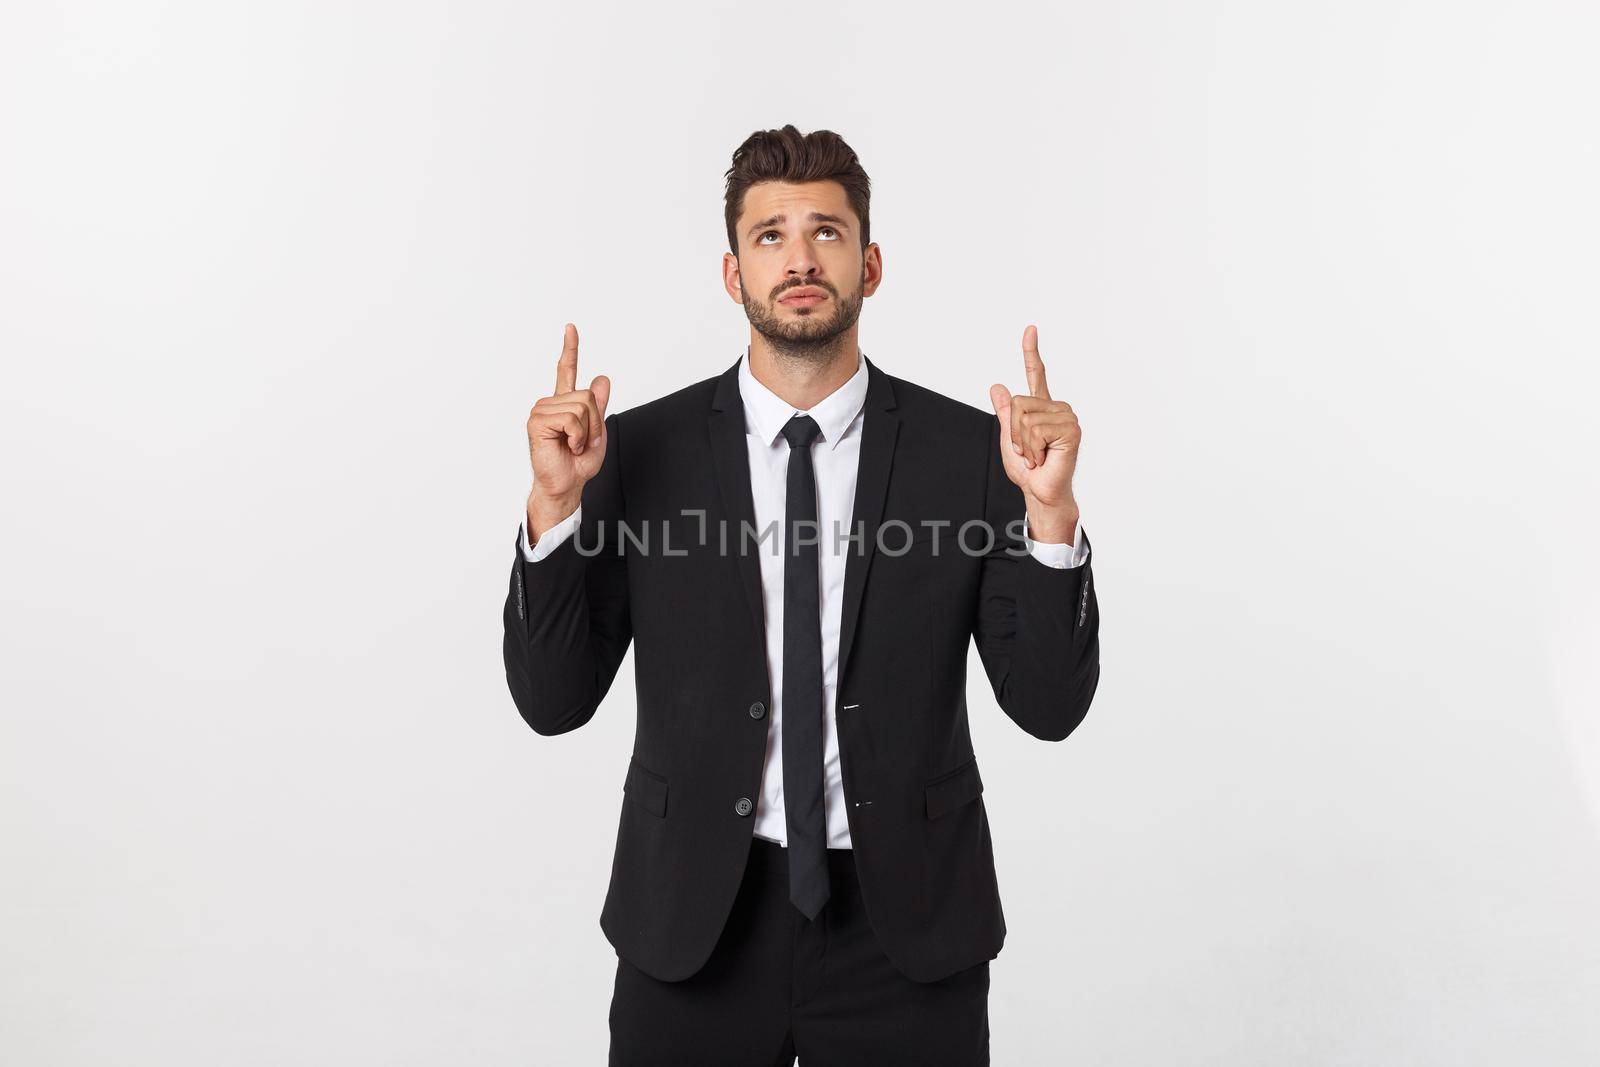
(805, 377)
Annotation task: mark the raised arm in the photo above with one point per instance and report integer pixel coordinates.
(566, 617)
(1038, 626)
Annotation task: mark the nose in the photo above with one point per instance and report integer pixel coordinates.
(802, 264)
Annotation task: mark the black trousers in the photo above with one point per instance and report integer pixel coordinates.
(778, 985)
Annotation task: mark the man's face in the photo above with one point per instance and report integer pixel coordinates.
(796, 240)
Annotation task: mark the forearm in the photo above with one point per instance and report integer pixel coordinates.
(553, 657)
(1052, 664)
(1037, 627)
(567, 622)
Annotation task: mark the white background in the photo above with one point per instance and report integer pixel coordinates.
(279, 283)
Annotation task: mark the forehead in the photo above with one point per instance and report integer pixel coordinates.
(795, 200)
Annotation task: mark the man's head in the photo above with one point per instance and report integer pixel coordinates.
(796, 209)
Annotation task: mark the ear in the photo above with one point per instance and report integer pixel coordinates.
(730, 278)
(871, 269)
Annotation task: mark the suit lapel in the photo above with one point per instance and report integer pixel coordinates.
(881, 427)
(732, 458)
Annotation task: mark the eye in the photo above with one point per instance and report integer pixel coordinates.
(774, 233)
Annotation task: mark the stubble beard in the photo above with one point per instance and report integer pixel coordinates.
(807, 337)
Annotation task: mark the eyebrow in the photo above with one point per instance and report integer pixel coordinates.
(815, 216)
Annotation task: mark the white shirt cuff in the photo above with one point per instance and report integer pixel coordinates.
(551, 539)
(1061, 557)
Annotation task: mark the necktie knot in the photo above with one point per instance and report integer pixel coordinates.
(800, 431)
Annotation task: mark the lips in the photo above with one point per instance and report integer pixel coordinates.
(803, 298)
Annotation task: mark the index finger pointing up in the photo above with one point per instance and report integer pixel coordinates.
(1033, 365)
(567, 365)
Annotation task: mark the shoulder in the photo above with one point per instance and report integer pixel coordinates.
(917, 404)
(667, 414)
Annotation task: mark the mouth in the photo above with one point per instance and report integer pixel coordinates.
(803, 300)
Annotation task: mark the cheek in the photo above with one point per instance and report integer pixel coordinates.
(756, 284)
(845, 263)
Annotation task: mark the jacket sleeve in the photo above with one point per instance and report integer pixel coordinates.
(1037, 627)
(567, 623)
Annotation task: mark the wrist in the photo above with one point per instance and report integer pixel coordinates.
(544, 512)
(1052, 524)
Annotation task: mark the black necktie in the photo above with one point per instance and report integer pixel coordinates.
(802, 678)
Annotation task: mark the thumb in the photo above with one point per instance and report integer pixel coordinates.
(601, 388)
(1000, 397)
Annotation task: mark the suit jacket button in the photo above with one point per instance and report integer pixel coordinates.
(758, 710)
(743, 806)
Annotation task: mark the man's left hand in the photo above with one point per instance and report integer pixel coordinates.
(1039, 445)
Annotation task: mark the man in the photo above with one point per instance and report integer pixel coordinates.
(799, 550)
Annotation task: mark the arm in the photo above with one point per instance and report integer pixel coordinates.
(567, 623)
(1038, 625)
(566, 618)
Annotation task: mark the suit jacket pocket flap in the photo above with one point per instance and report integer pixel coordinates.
(953, 789)
(646, 788)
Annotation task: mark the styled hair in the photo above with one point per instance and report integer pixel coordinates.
(787, 155)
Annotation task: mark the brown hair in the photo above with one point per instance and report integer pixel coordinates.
(787, 155)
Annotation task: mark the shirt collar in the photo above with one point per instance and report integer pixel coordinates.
(766, 413)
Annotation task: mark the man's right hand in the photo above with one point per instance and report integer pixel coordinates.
(566, 441)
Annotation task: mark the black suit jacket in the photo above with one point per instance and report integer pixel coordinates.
(693, 614)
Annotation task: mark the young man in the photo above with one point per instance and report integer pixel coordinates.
(799, 550)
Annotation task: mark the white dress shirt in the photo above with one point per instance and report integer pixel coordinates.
(836, 454)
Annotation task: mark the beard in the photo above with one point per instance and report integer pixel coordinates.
(809, 334)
